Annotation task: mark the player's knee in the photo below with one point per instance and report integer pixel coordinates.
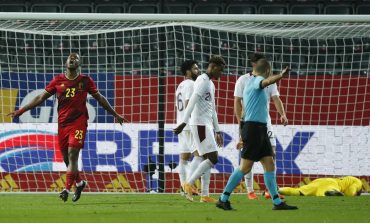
(273, 156)
(73, 155)
(185, 156)
(213, 159)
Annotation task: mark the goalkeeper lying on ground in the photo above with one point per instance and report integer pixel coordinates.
(343, 186)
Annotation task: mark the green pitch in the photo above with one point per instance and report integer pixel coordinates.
(151, 208)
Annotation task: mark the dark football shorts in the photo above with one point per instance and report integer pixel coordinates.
(256, 142)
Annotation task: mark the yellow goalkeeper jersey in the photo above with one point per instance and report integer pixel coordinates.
(348, 185)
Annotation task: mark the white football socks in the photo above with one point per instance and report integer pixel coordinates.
(193, 166)
(182, 171)
(202, 168)
(249, 181)
(206, 179)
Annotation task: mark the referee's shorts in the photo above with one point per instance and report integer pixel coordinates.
(256, 142)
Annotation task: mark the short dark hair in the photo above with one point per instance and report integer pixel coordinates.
(262, 66)
(187, 65)
(217, 59)
(256, 56)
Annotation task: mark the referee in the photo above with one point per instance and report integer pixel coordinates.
(256, 143)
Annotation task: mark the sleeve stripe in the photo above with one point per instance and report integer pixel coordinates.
(261, 87)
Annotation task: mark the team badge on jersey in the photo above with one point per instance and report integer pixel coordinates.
(80, 86)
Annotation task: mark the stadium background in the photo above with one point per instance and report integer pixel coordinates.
(310, 111)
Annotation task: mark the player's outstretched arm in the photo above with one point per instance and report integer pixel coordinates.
(35, 101)
(280, 108)
(274, 78)
(105, 104)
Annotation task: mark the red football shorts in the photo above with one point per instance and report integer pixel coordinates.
(73, 135)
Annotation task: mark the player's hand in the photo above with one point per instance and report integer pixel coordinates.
(240, 144)
(284, 120)
(219, 139)
(16, 113)
(285, 72)
(121, 119)
(179, 128)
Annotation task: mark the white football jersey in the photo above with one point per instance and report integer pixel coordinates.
(270, 90)
(183, 94)
(240, 84)
(204, 109)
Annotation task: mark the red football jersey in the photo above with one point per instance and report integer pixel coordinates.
(71, 95)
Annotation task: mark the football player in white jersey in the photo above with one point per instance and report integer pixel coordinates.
(203, 121)
(190, 70)
(272, 92)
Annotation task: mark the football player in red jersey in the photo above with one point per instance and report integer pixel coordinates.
(71, 90)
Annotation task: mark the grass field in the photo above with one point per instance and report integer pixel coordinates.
(130, 208)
